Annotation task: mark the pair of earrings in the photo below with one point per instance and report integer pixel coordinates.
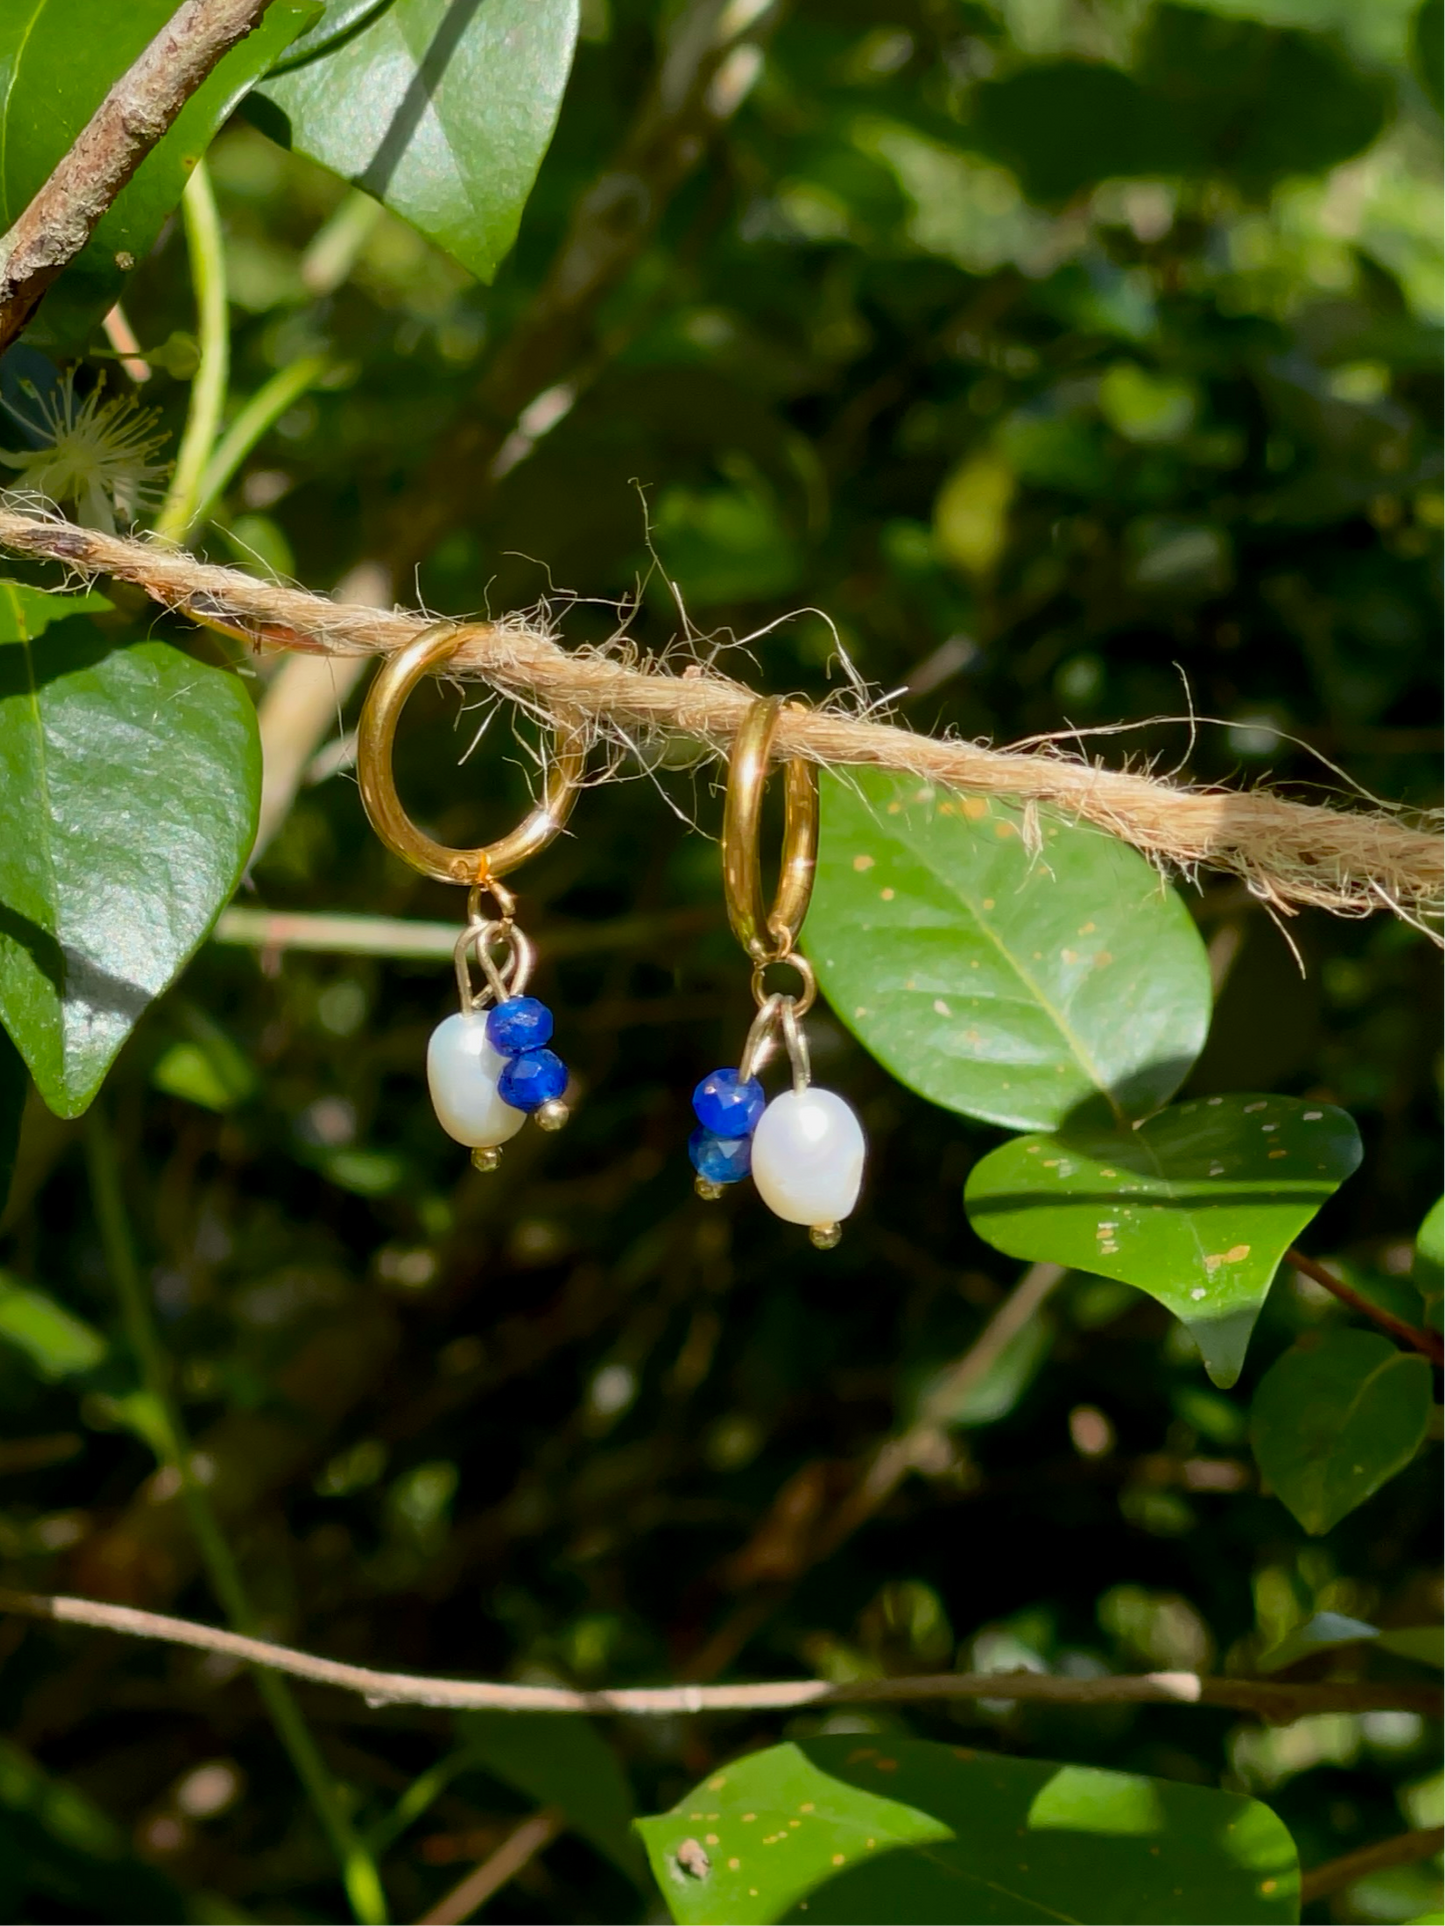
(491, 1066)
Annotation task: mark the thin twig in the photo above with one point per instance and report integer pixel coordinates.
(1403, 1850)
(520, 1846)
(398, 936)
(791, 1541)
(140, 108)
(1289, 853)
(1430, 1342)
(1269, 1699)
(897, 1456)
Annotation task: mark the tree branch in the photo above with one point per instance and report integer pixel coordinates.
(518, 1849)
(141, 107)
(1430, 1342)
(1268, 1699)
(1290, 854)
(1402, 1850)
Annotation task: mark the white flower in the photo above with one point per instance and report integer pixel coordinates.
(94, 455)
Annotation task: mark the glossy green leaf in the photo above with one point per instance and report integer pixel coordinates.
(566, 1762)
(1023, 986)
(1197, 1205)
(1336, 1419)
(58, 60)
(131, 778)
(843, 1829)
(338, 17)
(57, 1343)
(442, 109)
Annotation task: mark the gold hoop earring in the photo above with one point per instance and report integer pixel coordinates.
(805, 1149)
(488, 1067)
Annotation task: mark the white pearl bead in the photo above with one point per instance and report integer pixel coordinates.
(462, 1069)
(808, 1157)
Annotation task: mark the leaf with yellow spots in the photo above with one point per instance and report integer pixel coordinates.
(1021, 973)
(909, 1831)
(1196, 1206)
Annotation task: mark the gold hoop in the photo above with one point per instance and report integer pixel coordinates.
(375, 735)
(767, 935)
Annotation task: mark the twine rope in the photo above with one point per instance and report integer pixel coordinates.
(1289, 854)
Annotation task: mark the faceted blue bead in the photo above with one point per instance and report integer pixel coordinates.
(521, 1023)
(721, 1160)
(532, 1079)
(725, 1106)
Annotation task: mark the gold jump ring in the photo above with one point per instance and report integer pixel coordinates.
(767, 935)
(394, 681)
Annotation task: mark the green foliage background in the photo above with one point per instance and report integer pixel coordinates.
(1074, 364)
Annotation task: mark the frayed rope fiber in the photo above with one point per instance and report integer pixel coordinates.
(1290, 854)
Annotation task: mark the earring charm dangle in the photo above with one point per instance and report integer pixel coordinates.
(805, 1149)
(490, 1066)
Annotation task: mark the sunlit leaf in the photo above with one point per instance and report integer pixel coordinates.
(1197, 1205)
(131, 777)
(338, 17)
(841, 1829)
(1335, 1419)
(441, 110)
(58, 60)
(1021, 985)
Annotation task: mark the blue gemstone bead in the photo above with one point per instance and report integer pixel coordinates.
(521, 1023)
(532, 1079)
(725, 1106)
(721, 1160)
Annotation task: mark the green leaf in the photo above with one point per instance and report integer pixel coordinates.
(1328, 1631)
(1209, 95)
(205, 1068)
(1062, 127)
(1334, 1421)
(562, 1761)
(338, 17)
(1021, 985)
(1257, 102)
(58, 60)
(836, 1829)
(59, 1344)
(132, 778)
(1325, 1632)
(1196, 1206)
(442, 111)
(1428, 1270)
